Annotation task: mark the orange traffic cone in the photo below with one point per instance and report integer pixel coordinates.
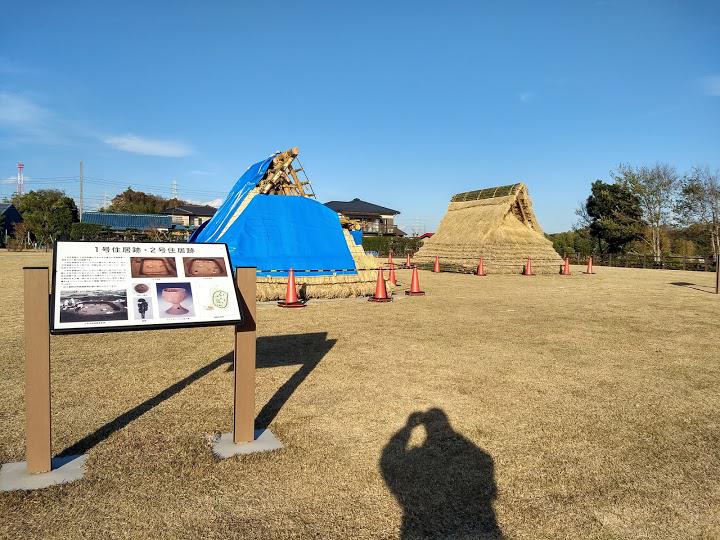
(291, 297)
(392, 278)
(528, 271)
(390, 259)
(589, 267)
(565, 268)
(436, 268)
(481, 268)
(415, 284)
(407, 261)
(380, 290)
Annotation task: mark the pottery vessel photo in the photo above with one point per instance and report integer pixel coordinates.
(155, 267)
(207, 267)
(175, 296)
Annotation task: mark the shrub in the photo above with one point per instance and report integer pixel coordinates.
(87, 231)
(399, 245)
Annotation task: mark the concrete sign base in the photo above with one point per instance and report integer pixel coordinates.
(15, 476)
(265, 441)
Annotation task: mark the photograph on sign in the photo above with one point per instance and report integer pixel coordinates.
(103, 286)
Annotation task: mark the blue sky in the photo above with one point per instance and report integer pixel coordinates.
(398, 103)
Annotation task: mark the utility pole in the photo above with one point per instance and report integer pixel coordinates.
(82, 202)
(20, 188)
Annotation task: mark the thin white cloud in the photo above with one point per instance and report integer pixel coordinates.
(18, 111)
(148, 147)
(198, 172)
(711, 85)
(214, 203)
(525, 97)
(25, 122)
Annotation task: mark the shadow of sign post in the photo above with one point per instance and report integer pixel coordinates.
(305, 350)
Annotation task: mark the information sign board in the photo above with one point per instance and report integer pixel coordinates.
(110, 286)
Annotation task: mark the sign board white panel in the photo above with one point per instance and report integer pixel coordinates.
(109, 286)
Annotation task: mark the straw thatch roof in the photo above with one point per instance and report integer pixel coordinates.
(496, 223)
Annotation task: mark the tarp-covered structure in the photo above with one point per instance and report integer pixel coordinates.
(496, 223)
(268, 221)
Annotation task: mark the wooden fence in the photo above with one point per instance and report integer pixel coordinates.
(636, 260)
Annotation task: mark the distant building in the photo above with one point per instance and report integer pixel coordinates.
(9, 216)
(191, 215)
(129, 222)
(374, 220)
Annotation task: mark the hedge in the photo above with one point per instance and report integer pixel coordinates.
(398, 244)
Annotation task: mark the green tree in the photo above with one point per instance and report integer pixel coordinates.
(615, 215)
(575, 242)
(139, 202)
(47, 214)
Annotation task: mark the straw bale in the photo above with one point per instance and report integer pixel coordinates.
(332, 286)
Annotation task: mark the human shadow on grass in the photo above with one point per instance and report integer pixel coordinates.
(305, 350)
(446, 486)
(689, 285)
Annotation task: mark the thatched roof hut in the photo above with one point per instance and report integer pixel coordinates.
(271, 220)
(496, 223)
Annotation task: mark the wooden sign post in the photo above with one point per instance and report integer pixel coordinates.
(245, 439)
(37, 369)
(244, 359)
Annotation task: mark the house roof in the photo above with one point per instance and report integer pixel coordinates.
(356, 206)
(123, 222)
(192, 210)
(4, 207)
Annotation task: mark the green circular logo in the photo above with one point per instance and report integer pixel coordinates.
(220, 299)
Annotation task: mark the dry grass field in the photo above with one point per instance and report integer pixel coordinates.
(523, 407)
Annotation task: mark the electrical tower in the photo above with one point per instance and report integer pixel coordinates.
(173, 190)
(20, 178)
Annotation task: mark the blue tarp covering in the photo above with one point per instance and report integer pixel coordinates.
(277, 232)
(357, 236)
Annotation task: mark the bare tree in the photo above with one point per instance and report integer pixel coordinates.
(699, 202)
(656, 187)
(583, 218)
